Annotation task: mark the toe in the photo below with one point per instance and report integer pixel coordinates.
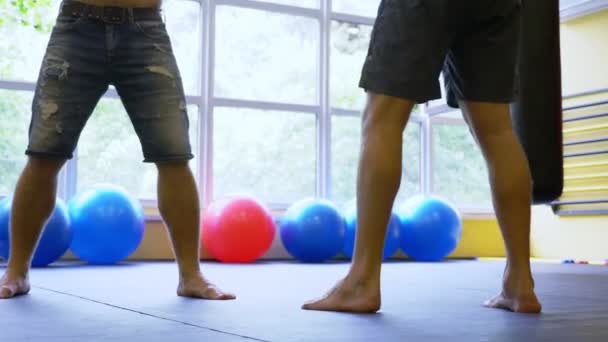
(499, 303)
(319, 305)
(227, 296)
(6, 292)
(307, 306)
(489, 303)
(309, 303)
(213, 293)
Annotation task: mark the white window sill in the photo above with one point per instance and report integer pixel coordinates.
(467, 213)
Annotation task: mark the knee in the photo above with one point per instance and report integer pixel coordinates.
(498, 141)
(173, 166)
(490, 123)
(384, 114)
(45, 167)
(174, 171)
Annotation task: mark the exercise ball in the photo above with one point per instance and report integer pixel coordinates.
(108, 224)
(430, 228)
(391, 241)
(237, 229)
(313, 230)
(55, 239)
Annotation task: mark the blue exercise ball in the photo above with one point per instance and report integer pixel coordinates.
(391, 241)
(108, 224)
(312, 230)
(54, 241)
(430, 228)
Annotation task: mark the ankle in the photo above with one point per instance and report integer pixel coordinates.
(363, 279)
(12, 275)
(189, 274)
(518, 277)
(17, 270)
(518, 263)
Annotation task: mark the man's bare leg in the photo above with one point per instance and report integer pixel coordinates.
(384, 121)
(511, 193)
(179, 207)
(33, 203)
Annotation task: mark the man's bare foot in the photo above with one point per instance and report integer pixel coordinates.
(197, 286)
(517, 295)
(349, 296)
(13, 286)
(519, 304)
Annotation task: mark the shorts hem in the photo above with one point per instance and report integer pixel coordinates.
(49, 155)
(488, 99)
(168, 159)
(401, 91)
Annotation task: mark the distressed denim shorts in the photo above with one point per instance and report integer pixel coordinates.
(86, 55)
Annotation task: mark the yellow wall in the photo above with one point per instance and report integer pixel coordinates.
(480, 238)
(584, 49)
(584, 44)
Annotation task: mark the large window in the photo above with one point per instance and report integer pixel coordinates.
(265, 56)
(301, 3)
(270, 154)
(345, 140)
(366, 8)
(458, 169)
(184, 23)
(14, 114)
(273, 101)
(21, 50)
(349, 43)
(24, 39)
(109, 151)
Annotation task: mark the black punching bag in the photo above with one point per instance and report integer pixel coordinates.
(537, 110)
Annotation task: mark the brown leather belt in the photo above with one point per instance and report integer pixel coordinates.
(109, 14)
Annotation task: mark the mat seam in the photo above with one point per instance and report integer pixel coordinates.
(151, 315)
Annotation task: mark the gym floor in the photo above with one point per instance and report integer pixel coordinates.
(422, 302)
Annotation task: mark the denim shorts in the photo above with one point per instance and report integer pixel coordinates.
(475, 42)
(86, 55)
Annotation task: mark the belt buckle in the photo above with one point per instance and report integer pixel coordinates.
(114, 15)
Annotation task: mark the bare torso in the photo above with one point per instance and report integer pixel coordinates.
(123, 3)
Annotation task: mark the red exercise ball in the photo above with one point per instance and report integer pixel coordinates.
(237, 229)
